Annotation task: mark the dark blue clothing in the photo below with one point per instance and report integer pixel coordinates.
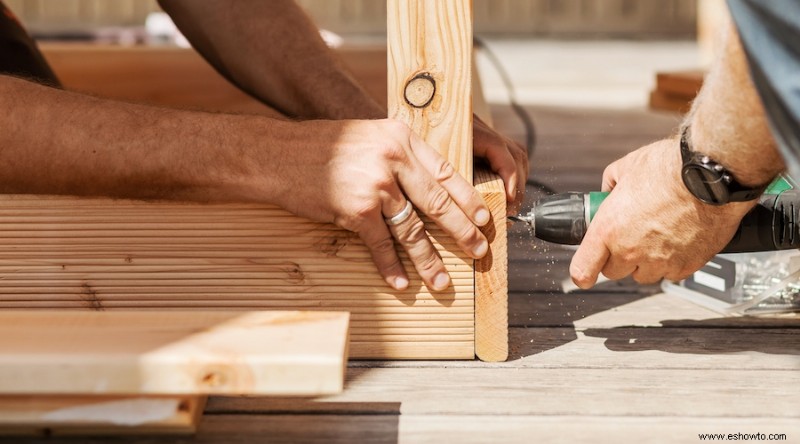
(770, 34)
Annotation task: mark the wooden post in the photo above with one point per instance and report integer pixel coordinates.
(429, 61)
(430, 88)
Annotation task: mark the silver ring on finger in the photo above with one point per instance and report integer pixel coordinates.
(402, 216)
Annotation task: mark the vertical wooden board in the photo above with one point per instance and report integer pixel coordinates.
(491, 275)
(429, 63)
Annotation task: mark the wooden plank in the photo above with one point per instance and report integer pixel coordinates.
(664, 102)
(104, 254)
(680, 83)
(435, 429)
(49, 416)
(491, 275)
(676, 90)
(429, 67)
(180, 78)
(545, 391)
(164, 76)
(57, 352)
(392, 428)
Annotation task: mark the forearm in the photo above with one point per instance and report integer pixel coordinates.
(57, 142)
(728, 121)
(271, 50)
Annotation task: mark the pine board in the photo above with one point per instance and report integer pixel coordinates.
(80, 352)
(491, 275)
(106, 255)
(433, 39)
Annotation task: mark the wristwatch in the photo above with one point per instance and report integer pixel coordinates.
(709, 181)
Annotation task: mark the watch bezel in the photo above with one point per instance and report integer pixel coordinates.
(725, 187)
(711, 189)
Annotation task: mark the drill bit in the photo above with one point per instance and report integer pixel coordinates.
(527, 219)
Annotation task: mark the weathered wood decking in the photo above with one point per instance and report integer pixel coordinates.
(621, 363)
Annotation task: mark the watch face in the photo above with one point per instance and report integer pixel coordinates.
(706, 184)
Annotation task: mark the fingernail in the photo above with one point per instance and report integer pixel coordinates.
(482, 217)
(441, 281)
(481, 249)
(400, 283)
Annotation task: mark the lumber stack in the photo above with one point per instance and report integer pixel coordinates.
(675, 91)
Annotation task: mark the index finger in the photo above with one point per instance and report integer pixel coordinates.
(610, 175)
(589, 260)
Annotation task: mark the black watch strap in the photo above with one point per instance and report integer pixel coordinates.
(709, 180)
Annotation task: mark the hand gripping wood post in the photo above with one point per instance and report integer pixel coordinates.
(430, 89)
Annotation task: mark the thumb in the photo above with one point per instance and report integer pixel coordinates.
(589, 260)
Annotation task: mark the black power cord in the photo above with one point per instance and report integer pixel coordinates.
(520, 111)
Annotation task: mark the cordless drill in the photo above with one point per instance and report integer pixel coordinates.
(773, 224)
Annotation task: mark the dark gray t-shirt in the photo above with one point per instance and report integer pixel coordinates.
(770, 34)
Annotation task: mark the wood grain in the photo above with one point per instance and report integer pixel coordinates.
(105, 254)
(479, 429)
(565, 390)
(491, 275)
(430, 89)
(58, 352)
(434, 39)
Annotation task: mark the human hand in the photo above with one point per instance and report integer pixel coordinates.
(506, 157)
(358, 173)
(650, 226)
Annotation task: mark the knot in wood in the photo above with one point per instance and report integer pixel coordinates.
(213, 378)
(420, 90)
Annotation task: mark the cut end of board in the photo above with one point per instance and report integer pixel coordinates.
(491, 274)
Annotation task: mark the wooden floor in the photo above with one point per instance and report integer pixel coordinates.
(621, 363)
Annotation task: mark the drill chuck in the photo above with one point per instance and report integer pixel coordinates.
(561, 218)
